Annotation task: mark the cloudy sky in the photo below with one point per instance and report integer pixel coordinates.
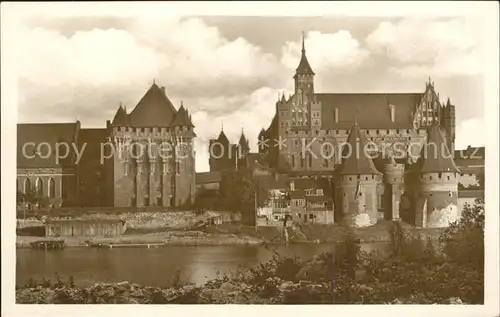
(229, 70)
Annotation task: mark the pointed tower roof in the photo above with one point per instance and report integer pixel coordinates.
(357, 162)
(222, 138)
(121, 117)
(153, 110)
(435, 156)
(448, 102)
(304, 68)
(243, 141)
(182, 118)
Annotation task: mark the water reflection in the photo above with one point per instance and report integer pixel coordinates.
(155, 267)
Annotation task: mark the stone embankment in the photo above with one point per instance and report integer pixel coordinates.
(142, 220)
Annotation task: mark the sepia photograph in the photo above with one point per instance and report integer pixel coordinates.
(287, 153)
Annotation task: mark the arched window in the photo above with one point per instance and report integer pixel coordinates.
(52, 188)
(39, 187)
(27, 185)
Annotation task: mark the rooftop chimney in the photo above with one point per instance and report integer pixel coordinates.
(162, 89)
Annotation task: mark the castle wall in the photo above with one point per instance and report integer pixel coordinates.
(437, 200)
(363, 211)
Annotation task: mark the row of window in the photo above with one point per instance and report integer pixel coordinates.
(39, 186)
(330, 132)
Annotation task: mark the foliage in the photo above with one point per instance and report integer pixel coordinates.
(463, 241)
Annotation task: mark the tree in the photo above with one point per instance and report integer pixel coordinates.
(237, 191)
(463, 241)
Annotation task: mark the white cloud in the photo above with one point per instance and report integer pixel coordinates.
(467, 133)
(422, 48)
(255, 113)
(96, 58)
(326, 51)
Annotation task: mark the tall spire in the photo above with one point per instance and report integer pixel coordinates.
(303, 44)
(304, 68)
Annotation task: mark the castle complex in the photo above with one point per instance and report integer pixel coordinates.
(325, 157)
(142, 158)
(407, 169)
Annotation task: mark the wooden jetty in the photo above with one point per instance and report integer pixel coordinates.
(126, 245)
(48, 244)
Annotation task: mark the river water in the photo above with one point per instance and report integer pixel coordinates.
(154, 267)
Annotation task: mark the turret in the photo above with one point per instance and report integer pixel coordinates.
(358, 183)
(393, 188)
(242, 151)
(121, 117)
(437, 175)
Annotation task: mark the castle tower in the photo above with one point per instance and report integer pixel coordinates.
(357, 183)
(393, 188)
(153, 163)
(437, 174)
(221, 154)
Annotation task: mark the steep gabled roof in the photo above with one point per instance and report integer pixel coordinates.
(435, 156)
(373, 110)
(30, 135)
(153, 110)
(182, 118)
(356, 161)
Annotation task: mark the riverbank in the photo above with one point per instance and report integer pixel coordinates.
(237, 234)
